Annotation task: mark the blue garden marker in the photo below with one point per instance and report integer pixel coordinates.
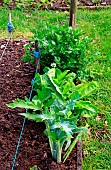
(36, 54)
(10, 26)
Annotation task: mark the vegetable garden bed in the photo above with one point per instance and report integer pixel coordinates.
(15, 78)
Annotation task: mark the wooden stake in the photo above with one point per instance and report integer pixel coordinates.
(37, 60)
(79, 155)
(9, 18)
(73, 8)
(9, 21)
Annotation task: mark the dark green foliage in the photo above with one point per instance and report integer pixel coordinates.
(28, 56)
(65, 47)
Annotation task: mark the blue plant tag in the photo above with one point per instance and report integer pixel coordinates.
(36, 54)
(10, 27)
(32, 82)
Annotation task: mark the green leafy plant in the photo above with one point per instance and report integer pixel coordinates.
(27, 56)
(34, 168)
(61, 104)
(64, 46)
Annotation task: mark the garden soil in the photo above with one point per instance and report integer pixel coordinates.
(15, 82)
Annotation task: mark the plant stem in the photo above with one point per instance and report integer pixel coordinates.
(54, 150)
(51, 146)
(58, 148)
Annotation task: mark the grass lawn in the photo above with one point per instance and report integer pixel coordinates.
(97, 26)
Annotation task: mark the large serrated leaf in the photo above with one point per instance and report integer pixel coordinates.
(33, 116)
(38, 117)
(25, 104)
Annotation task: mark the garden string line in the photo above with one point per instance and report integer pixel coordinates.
(10, 28)
(5, 46)
(23, 124)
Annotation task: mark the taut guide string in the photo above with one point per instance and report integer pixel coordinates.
(10, 28)
(23, 124)
(37, 60)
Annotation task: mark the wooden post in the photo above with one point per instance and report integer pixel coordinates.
(9, 18)
(37, 60)
(73, 8)
(9, 21)
(79, 155)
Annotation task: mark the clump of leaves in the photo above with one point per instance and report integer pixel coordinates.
(28, 56)
(34, 168)
(61, 104)
(65, 47)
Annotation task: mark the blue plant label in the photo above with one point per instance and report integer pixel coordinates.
(10, 27)
(36, 54)
(32, 82)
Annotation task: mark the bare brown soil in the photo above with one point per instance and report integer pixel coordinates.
(15, 78)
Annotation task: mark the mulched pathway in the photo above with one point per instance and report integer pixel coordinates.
(15, 78)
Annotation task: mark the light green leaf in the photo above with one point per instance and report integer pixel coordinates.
(81, 129)
(58, 72)
(37, 80)
(51, 72)
(33, 116)
(75, 96)
(62, 75)
(87, 89)
(70, 105)
(44, 94)
(54, 87)
(87, 109)
(38, 117)
(66, 87)
(66, 127)
(25, 104)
